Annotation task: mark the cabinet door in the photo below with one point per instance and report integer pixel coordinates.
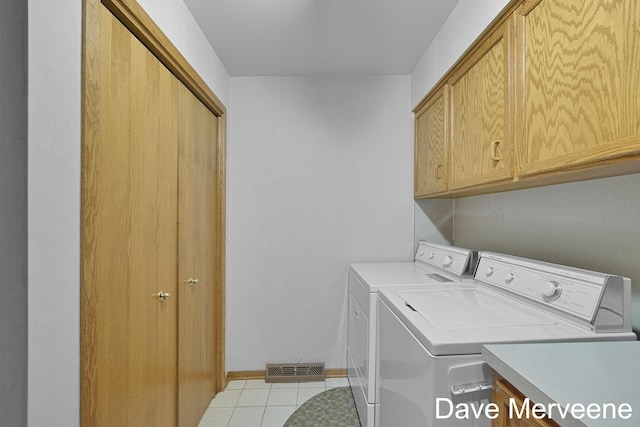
(197, 207)
(129, 237)
(579, 82)
(504, 395)
(431, 151)
(481, 139)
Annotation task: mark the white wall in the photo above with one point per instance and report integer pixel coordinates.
(54, 54)
(320, 175)
(54, 212)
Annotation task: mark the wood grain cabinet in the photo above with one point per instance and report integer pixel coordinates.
(579, 82)
(431, 146)
(549, 93)
(480, 114)
(505, 395)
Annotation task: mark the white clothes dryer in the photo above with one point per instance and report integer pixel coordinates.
(434, 265)
(430, 339)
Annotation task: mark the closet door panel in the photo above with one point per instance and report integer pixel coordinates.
(134, 199)
(197, 198)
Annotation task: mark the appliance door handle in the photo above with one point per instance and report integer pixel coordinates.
(470, 388)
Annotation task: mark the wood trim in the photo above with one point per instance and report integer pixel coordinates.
(245, 375)
(90, 133)
(335, 373)
(134, 17)
(220, 290)
(260, 375)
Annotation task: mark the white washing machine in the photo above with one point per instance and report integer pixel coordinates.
(434, 265)
(430, 339)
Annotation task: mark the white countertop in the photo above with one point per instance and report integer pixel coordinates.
(574, 373)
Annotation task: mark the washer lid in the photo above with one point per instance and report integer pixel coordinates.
(464, 307)
(461, 318)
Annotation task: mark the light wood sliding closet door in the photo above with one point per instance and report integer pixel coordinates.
(197, 217)
(152, 267)
(129, 236)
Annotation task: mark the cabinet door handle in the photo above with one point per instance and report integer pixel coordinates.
(494, 151)
(439, 172)
(192, 281)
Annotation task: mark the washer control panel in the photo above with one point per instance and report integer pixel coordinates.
(574, 291)
(452, 259)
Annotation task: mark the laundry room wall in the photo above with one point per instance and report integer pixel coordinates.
(13, 212)
(590, 224)
(320, 176)
(54, 62)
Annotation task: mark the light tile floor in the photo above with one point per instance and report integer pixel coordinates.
(254, 403)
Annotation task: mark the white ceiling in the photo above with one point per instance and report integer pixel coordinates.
(320, 37)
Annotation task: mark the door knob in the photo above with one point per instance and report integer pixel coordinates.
(162, 296)
(192, 282)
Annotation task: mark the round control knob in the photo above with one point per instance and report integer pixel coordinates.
(448, 260)
(510, 276)
(551, 289)
(489, 271)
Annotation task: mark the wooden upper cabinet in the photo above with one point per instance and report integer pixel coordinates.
(481, 140)
(578, 81)
(431, 151)
(547, 94)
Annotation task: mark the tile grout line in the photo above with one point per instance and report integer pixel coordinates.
(264, 410)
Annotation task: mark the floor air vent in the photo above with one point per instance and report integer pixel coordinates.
(294, 372)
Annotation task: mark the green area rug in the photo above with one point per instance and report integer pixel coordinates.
(331, 408)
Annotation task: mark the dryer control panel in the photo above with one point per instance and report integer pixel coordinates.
(456, 261)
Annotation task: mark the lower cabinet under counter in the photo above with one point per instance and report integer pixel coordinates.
(514, 408)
